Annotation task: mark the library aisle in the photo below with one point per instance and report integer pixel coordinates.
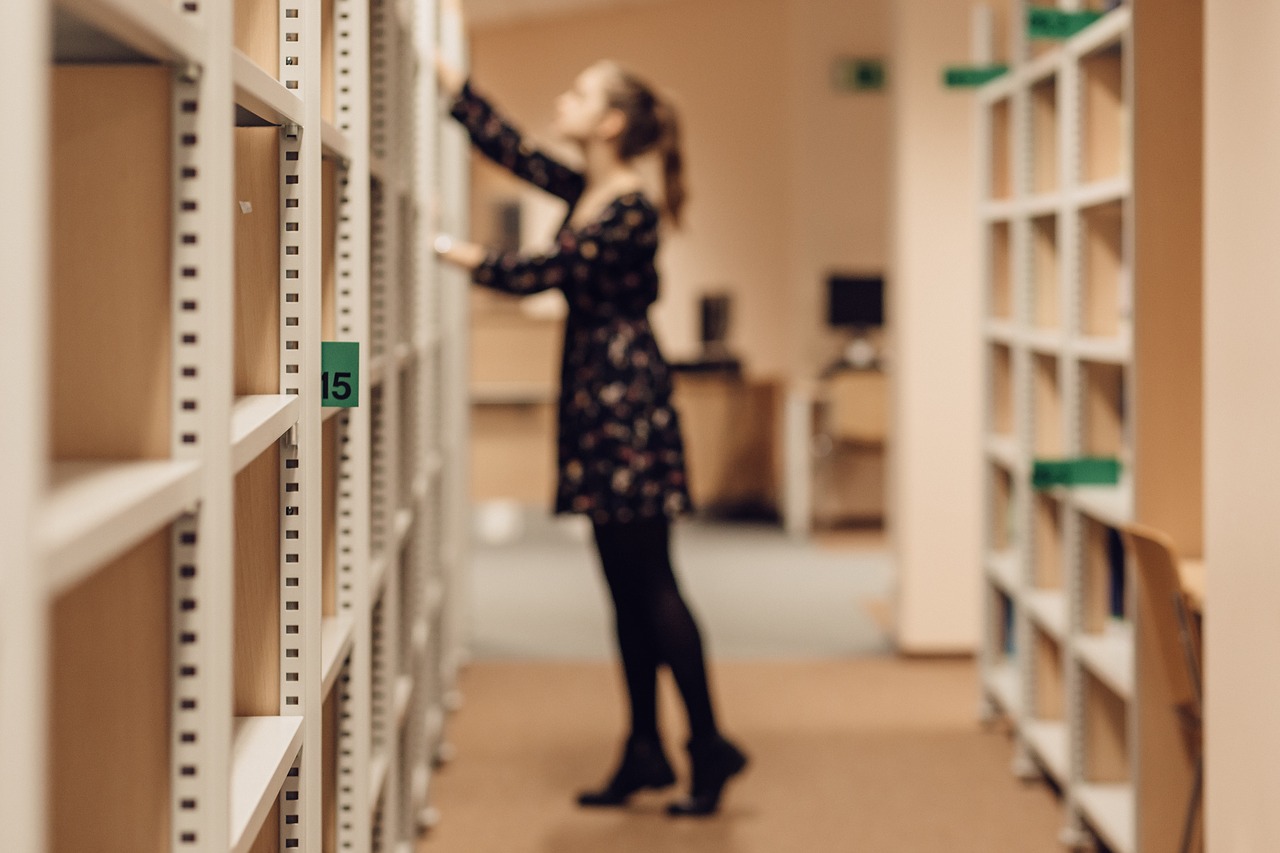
(852, 749)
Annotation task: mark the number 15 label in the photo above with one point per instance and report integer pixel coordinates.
(340, 374)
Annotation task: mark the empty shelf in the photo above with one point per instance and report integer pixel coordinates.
(1111, 505)
(335, 642)
(402, 700)
(1002, 568)
(263, 749)
(1104, 350)
(257, 422)
(263, 95)
(97, 510)
(1005, 451)
(335, 142)
(1109, 656)
(1005, 686)
(1049, 741)
(377, 778)
(1109, 809)
(155, 30)
(1049, 609)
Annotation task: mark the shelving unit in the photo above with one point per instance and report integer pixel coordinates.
(196, 629)
(1093, 350)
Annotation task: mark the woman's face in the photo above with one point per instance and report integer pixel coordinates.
(581, 109)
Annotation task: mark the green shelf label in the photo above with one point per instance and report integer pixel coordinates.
(971, 76)
(340, 374)
(1080, 471)
(1057, 25)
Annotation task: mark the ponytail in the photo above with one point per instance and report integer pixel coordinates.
(651, 124)
(673, 191)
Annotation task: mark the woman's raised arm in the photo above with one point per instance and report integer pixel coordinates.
(498, 140)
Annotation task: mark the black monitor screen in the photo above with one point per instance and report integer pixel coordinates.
(855, 300)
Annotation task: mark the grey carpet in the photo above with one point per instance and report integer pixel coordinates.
(756, 592)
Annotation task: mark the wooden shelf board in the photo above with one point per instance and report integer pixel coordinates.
(1109, 809)
(420, 787)
(1002, 568)
(403, 521)
(327, 412)
(1108, 31)
(1049, 609)
(1003, 332)
(1005, 450)
(263, 749)
(1111, 505)
(378, 767)
(377, 576)
(1048, 738)
(263, 95)
(405, 354)
(999, 210)
(1005, 686)
(154, 30)
(1102, 192)
(1046, 341)
(257, 422)
(420, 639)
(1109, 656)
(1118, 350)
(97, 510)
(336, 636)
(1043, 204)
(511, 394)
(335, 142)
(402, 700)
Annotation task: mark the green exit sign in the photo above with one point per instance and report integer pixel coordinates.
(853, 74)
(1057, 25)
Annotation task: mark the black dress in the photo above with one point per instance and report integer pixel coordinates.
(620, 454)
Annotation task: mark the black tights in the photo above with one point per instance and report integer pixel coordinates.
(654, 624)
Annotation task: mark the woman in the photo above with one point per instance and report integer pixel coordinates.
(621, 458)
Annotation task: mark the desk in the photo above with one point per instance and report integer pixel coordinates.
(850, 430)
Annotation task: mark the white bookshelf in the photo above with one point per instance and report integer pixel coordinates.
(1081, 288)
(213, 574)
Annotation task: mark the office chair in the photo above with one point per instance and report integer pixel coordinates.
(1156, 566)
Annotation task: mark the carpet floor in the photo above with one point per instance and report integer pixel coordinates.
(861, 755)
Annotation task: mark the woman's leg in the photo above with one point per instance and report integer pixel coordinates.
(635, 644)
(673, 630)
(676, 636)
(643, 763)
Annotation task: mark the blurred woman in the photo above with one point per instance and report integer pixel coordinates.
(620, 452)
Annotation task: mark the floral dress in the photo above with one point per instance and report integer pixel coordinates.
(620, 454)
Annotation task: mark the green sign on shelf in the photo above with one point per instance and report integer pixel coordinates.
(340, 374)
(1079, 471)
(971, 76)
(1055, 24)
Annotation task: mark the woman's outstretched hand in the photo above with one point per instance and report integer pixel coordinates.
(449, 77)
(460, 253)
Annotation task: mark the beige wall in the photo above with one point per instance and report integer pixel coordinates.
(936, 496)
(787, 177)
(1242, 424)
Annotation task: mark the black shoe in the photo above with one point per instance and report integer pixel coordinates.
(644, 765)
(715, 761)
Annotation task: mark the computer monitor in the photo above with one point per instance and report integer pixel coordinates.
(855, 301)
